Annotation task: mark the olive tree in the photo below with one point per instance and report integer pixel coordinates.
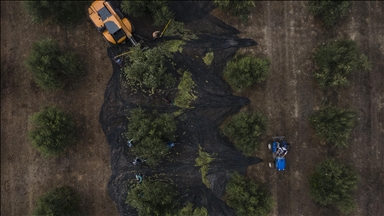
(335, 60)
(147, 70)
(65, 13)
(248, 197)
(245, 70)
(54, 131)
(61, 201)
(332, 183)
(334, 124)
(329, 11)
(152, 198)
(150, 134)
(51, 69)
(238, 8)
(245, 130)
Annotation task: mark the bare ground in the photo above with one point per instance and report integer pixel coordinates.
(287, 33)
(25, 174)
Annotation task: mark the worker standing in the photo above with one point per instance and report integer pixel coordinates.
(156, 34)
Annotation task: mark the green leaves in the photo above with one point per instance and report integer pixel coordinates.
(243, 71)
(248, 197)
(150, 134)
(146, 69)
(334, 124)
(337, 59)
(245, 129)
(152, 198)
(61, 201)
(332, 183)
(65, 13)
(54, 131)
(203, 162)
(330, 12)
(51, 68)
(189, 211)
(238, 8)
(186, 93)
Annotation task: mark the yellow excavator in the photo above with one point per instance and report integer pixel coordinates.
(111, 22)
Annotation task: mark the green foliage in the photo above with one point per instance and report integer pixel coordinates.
(248, 197)
(203, 162)
(54, 131)
(208, 58)
(186, 94)
(334, 124)
(245, 129)
(61, 201)
(189, 211)
(244, 71)
(65, 13)
(146, 69)
(150, 134)
(50, 68)
(152, 198)
(329, 11)
(171, 46)
(238, 8)
(335, 60)
(332, 184)
(158, 9)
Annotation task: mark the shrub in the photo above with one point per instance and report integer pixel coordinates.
(203, 162)
(332, 183)
(186, 94)
(208, 58)
(238, 8)
(158, 10)
(152, 198)
(245, 129)
(244, 71)
(50, 68)
(54, 131)
(65, 13)
(334, 124)
(150, 134)
(329, 11)
(189, 211)
(337, 59)
(146, 69)
(248, 197)
(61, 201)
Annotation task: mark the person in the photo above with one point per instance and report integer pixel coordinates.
(129, 143)
(119, 61)
(170, 145)
(137, 161)
(156, 34)
(281, 151)
(139, 178)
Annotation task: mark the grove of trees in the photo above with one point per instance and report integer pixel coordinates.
(54, 131)
(333, 184)
(61, 201)
(245, 130)
(51, 69)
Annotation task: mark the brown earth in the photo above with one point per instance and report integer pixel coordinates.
(286, 33)
(25, 174)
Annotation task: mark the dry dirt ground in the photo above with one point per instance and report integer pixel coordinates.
(25, 174)
(286, 33)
